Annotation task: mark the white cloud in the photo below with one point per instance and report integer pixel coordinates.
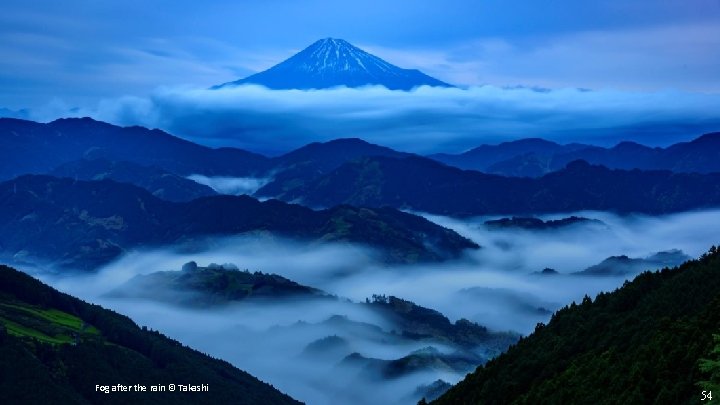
(231, 185)
(424, 120)
(670, 56)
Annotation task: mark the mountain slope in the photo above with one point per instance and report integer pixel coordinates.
(160, 183)
(33, 148)
(88, 223)
(421, 184)
(56, 348)
(300, 166)
(333, 62)
(638, 344)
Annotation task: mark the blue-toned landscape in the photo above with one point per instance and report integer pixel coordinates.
(359, 203)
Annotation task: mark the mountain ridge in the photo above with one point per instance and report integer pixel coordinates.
(534, 157)
(420, 184)
(89, 223)
(39, 148)
(159, 182)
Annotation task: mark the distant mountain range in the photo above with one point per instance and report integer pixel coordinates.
(84, 224)
(421, 184)
(334, 62)
(31, 147)
(352, 171)
(40, 148)
(55, 348)
(535, 157)
(524, 157)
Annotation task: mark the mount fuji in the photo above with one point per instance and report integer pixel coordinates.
(333, 62)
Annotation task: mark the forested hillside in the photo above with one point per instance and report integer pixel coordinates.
(639, 344)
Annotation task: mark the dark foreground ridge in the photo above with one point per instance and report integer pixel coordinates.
(641, 343)
(55, 349)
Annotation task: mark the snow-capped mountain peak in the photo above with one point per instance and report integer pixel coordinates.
(332, 62)
(338, 54)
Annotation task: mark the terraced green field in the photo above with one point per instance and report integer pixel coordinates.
(46, 325)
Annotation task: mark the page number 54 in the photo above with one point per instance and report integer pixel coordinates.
(706, 395)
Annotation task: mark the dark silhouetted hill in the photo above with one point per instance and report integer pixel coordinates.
(55, 349)
(213, 285)
(89, 223)
(421, 184)
(33, 148)
(158, 182)
(296, 168)
(538, 224)
(638, 344)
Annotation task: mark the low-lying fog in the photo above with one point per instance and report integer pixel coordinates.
(492, 286)
(231, 185)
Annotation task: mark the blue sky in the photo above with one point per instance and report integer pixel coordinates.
(80, 50)
(116, 61)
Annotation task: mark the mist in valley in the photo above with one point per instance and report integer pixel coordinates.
(304, 346)
(231, 185)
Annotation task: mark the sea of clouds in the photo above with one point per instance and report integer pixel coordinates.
(424, 120)
(493, 286)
